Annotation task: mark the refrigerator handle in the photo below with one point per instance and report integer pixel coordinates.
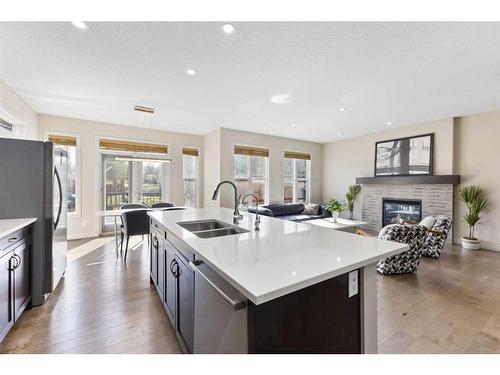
(56, 222)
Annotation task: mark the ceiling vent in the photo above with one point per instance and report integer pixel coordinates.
(140, 108)
(6, 125)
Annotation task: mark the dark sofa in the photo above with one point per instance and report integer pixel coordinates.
(289, 211)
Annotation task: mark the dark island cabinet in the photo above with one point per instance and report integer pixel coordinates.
(15, 277)
(185, 317)
(154, 256)
(174, 281)
(170, 282)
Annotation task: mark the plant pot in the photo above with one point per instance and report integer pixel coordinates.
(470, 244)
(335, 216)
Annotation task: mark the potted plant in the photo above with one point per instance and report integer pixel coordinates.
(350, 196)
(476, 201)
(335, 207)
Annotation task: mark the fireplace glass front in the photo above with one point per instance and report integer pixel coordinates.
(396, 211)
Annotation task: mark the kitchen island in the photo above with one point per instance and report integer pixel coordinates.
(286, 288)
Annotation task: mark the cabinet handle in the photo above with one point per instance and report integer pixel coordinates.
(19, 260)
(176, 271)
(12, 258)
(155, 245)
(12, 239)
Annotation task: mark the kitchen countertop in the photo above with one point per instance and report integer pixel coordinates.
(8, 226)
(281, 258)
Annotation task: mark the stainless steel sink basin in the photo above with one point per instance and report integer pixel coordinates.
(211, 228)
(199, 225)
(220, 232)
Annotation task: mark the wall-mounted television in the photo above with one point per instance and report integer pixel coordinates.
(405, 156)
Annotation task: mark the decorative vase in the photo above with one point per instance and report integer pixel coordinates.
(335, 216)
(470, 244)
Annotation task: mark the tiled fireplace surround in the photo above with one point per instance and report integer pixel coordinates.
(436, 200)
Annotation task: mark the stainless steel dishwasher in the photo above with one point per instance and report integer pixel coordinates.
(220, 313)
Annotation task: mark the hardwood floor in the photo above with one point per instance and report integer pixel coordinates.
(451, 305)
(102, 306)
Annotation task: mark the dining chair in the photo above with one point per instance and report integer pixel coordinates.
(135, 223)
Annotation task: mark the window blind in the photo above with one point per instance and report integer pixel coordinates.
(297, 155)
(190, 151)
(251, 151)
(63, 140)
(131, 146)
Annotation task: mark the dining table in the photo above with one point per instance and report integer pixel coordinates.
(116, 214)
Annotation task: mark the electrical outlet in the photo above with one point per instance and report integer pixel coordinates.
(353, 283)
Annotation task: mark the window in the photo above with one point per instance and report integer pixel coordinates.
(250, 170)
(296, 172)
(69, 143)
(190, 176)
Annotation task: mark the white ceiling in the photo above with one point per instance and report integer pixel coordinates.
(405, 73)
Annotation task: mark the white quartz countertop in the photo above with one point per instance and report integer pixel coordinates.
(8, 226)
(282, 257)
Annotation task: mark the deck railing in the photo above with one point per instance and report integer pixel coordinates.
(115, 200)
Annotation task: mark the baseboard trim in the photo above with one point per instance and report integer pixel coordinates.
(490, 246)
(484, 245)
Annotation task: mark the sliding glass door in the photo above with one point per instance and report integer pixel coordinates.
(127, 181)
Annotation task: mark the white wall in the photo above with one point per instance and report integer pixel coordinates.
(277, 146)
(345, 160)
(477, 160)
(212, 163)
(14, 109)
(88, 224)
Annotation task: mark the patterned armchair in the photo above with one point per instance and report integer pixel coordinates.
(406, 262)
(436, 237)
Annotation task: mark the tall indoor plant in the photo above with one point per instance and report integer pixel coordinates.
(350, 196)
(335, 207)
(476, 201)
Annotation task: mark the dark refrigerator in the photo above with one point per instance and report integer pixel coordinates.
(33, 179)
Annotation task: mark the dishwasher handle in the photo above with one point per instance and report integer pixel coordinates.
(236, 304)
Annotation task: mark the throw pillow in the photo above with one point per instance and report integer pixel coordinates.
(311, 209)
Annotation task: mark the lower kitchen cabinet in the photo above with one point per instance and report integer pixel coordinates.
(174, 281)
(6, 303)
(15, 278)
(161, 270)
(154, 257)
(22, 270)
(185, 307)
(170, 283)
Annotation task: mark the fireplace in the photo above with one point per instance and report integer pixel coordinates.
(395, 211)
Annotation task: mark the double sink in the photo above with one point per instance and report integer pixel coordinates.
(211, 228)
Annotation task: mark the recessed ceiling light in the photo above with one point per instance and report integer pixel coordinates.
(281, 98)
(389, 123)
(339, 134)
(342, 109)
(293, 125)
(190, 72)
(79, 24)
(228, 28)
